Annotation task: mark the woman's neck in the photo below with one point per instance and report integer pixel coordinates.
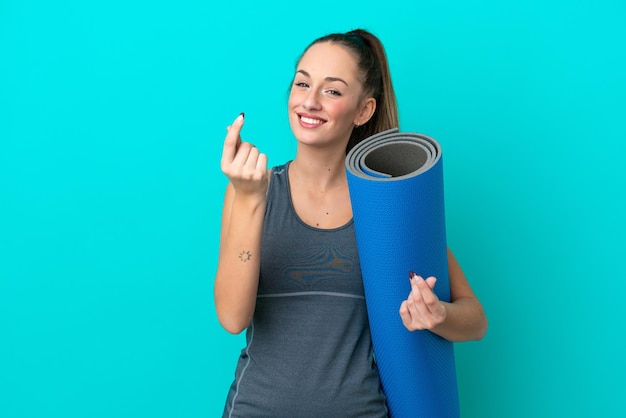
(319, 172)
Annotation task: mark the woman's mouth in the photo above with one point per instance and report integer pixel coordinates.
(310, 121)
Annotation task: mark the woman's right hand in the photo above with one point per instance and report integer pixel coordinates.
(243, 164)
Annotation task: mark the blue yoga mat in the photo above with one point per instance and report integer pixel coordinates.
(396, 189)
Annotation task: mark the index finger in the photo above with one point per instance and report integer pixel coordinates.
(422, 286)
(232, 141)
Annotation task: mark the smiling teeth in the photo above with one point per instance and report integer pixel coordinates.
(311, 121)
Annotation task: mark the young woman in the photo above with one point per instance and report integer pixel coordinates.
(288, 269)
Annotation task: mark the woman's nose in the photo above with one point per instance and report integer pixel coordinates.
(311, 101)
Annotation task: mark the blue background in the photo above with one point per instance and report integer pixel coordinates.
(112, 117)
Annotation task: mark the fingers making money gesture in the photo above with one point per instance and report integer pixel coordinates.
(422, 309)
(243, 164)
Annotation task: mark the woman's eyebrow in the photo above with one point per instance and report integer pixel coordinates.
(304, 73)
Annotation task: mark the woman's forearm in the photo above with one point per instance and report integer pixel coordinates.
(465, 320)
(237, 277)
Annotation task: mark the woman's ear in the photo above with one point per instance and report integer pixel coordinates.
(368, 107)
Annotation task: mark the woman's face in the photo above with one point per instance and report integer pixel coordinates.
(325, 101)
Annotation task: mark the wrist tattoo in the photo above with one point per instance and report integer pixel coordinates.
(245, 256)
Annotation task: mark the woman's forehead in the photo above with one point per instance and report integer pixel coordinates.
(328, 60)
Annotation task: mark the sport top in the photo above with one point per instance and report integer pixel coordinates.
(308, 348)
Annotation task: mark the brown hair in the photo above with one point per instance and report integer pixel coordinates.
(372, 62)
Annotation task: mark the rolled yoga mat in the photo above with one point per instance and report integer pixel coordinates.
(396, 189)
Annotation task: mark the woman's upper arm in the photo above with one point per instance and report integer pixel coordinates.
(459, 285)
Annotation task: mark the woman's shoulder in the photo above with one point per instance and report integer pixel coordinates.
(279, 173)
(280, 169)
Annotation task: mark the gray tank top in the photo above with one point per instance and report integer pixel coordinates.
(308, 349)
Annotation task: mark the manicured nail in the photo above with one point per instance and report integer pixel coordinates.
(411, 275)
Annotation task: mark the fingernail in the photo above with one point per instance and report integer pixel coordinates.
(411, 275)
(240, 117)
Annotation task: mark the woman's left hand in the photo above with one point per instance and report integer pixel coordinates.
(422, 309)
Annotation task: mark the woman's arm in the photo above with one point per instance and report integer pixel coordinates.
(462, 319)
(237, 277)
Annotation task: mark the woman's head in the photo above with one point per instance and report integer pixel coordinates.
(367, 56)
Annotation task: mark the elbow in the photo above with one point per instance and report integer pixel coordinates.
(479, 323)
(233, 328)
(481, 329)
(232, 316)
(232, 325)
(471, 332)
(474, 327)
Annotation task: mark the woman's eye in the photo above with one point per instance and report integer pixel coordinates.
(301, 84)
(334, 92)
